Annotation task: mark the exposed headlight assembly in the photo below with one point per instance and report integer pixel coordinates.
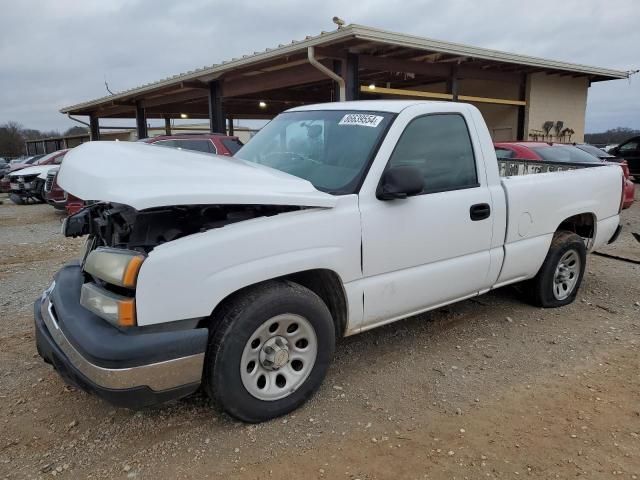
(115, 309)
(116, 266)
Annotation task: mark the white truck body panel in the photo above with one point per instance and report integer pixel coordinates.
(418, 253)
(206, 267)
(534, 217)
(146, 176)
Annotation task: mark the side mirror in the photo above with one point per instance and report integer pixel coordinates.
(400, 182)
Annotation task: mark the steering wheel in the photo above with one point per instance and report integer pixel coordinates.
(292, 156)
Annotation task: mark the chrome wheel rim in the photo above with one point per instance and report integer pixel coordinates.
(566, 276)
(278, 357)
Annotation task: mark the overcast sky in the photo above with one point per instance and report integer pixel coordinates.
(55, 53)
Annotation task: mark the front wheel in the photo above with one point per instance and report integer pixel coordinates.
(560, 276)
(269, 352)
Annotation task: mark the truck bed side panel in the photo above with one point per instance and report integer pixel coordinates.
(538, 204)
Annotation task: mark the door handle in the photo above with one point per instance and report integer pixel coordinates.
(479, 211)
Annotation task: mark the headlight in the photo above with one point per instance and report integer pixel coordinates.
(115, 266)
(115, 309)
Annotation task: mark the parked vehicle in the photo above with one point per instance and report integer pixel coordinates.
(57, 197)
(4, 167)
(199, 142)
(27, 184)
(24, 161)
(54, 195)
(563, 153)
(14, 165)
(630, 151)
(337, 218)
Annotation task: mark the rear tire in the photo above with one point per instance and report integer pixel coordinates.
(560, 276)
(269, 351)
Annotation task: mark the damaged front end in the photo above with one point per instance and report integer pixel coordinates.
(120, 226)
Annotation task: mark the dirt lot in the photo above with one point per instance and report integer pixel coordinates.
(489, 388)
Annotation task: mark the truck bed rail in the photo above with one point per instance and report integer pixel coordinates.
(512, 167)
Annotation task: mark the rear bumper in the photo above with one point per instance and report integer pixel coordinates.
(131, 370)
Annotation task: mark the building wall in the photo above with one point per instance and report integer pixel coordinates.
(553, 98)
(502, 120)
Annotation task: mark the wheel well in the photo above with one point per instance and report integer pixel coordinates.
(324, 283)
(583, 224)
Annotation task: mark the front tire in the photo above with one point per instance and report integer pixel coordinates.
(17, 199)
(560, 276)
(269, 351)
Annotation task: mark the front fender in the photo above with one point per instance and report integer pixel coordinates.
(188, 277)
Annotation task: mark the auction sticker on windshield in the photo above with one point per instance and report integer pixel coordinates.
(361, 120)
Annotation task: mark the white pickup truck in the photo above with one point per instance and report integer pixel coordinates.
(238, 274)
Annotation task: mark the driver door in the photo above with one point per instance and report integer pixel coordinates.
(430, 249)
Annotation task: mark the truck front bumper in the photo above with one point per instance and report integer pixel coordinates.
(132, 369)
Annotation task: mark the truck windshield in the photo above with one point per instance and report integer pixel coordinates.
(331, 148)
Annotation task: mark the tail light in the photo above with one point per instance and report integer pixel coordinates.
(625, 169)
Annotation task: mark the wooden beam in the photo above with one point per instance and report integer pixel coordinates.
(351, 77)
(193, 84)
(499, 101)
(368, 62)
(94, 128)
(274, 80)
(141, 122)
(442, 96)
(216, 113)
(328, 52)
(175, 98)
(406, 93)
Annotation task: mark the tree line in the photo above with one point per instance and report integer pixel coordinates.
(13, 136)
(610, 137)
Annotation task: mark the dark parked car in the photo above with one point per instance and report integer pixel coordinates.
(630, 151)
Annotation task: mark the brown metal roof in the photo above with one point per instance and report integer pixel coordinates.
(388, 47)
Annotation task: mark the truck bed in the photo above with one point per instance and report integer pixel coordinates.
(513, 167)
(538, 204)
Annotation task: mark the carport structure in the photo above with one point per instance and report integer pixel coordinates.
(516, 93)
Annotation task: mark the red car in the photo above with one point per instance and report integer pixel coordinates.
(200, 142)
(57, 197)
(561, 153)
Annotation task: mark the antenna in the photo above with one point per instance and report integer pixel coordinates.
(106, 85)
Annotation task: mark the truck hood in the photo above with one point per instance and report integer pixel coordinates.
(145, 176)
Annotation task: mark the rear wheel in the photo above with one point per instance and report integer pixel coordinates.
(269, 352)
(560, 276)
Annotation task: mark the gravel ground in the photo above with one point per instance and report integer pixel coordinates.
(488, 388)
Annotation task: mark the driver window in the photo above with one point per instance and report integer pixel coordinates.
(438, 145)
